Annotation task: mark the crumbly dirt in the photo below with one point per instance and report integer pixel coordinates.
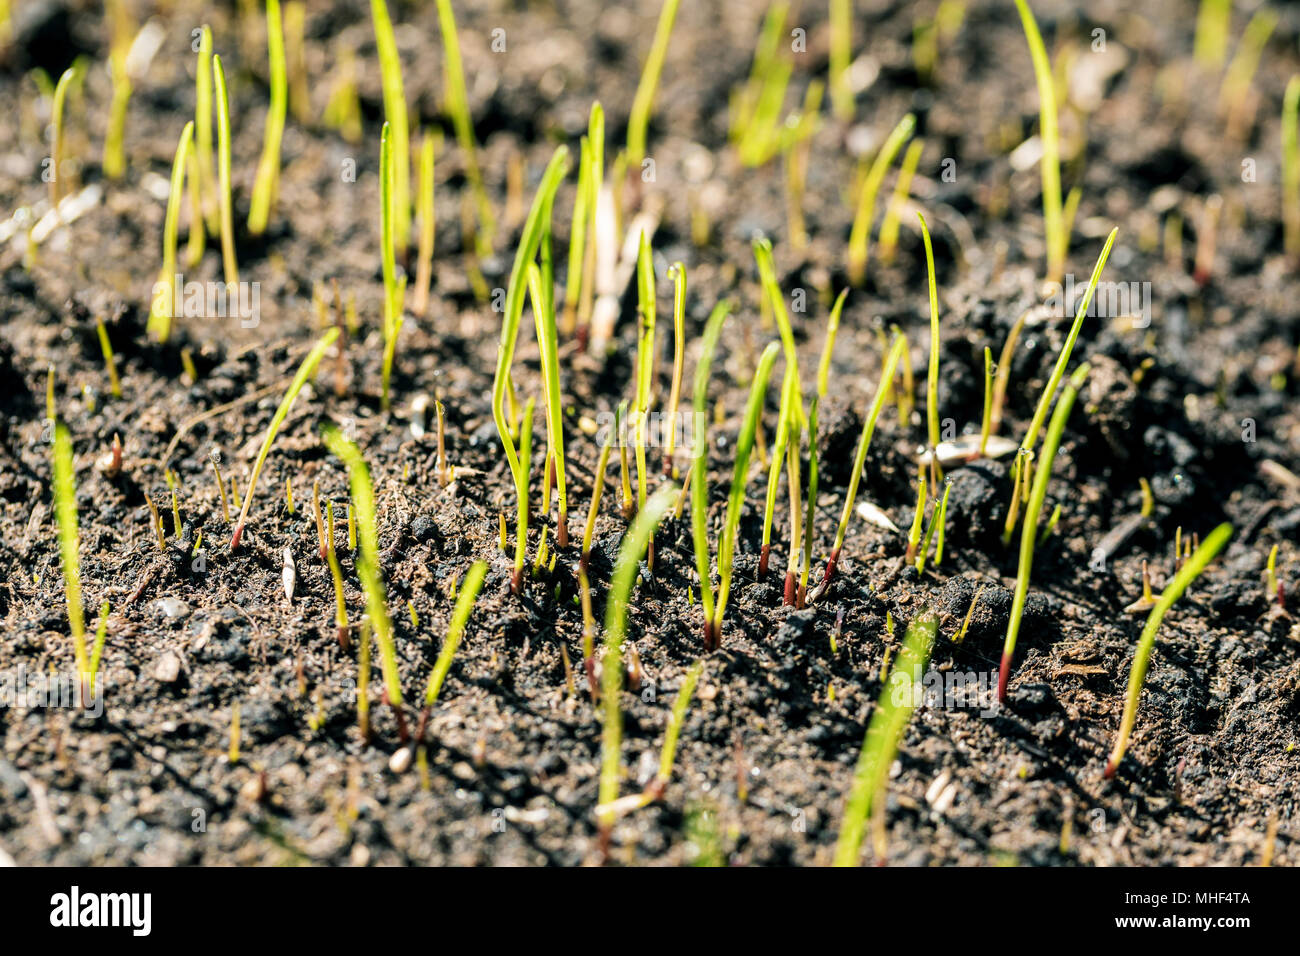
(1195, 404)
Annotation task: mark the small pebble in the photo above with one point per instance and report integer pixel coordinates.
(171, 607)
(168, 668)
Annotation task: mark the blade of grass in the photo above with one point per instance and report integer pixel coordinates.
(898, 698)
(1048, 131)
(305, 372)
(455, 630)
(1188, 573)
(65, 510)
(267, 183)
(229, 266)
(363, 500)
(163, 306)
(860, 234)
(644, 100)
(744, 446)
(458, 106)
(390, 68)
(700, 464)
(1033, 509)
(630, 551)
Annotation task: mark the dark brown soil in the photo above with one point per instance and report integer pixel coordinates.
(769, 743)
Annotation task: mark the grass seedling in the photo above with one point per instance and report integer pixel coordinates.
(1003, 374)
(645, 361)
(1213, 25)
(1207, 233)
(295, 26)
(864, 442)
(898, 698)
(1274, 590)
(363, 499)
(521, 516)
(155, 521)
(390, 68)
(457, 102)
(1057, 237)
(163, 307)
(699, 479)
(1033, 508)
(119, 21)
(932, 377)
(232, 752)
(110, 363)
(1188, 573)
(336, 574)
(536, 229)
(730, 528)
(1063, 359)
(903, 185)
(1291, 167)
(841, 23)
(455, 631)
(548, 347)
(59, 99)
(986, 420)
(794, 484)
(860, 235)
(205, 172)
(221, 489)
(678, 274)
(226, 204)
(672, 733)
(791, 410)
(630, 551)
(101, 635)
(761, 131)
(343, 110)
(424, 211)
(1236, 82)
(643, 102)
(580, 285)
(918, 519)
(65, 510)
(305, 372)
(267, 183)
(394, 289)
(797, 146)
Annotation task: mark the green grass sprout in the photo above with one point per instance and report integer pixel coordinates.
(699, 480)
(1058, 239)
(110, 363)
(730, 528)
(65, 510)
(644, 100)
(548, 347)
(101, 635)
(898, 698)
(305, 372)
(1236, 81)
(889, 227)
(677, 272)
(57, 109)
(390, 68)
(223, 172)
(455, 630)
(932, 377)
(1188, 573)
(1213, 26)
(630, 551)
(521, 516)
(363, 500)
(163, 307)
(672, 733)
(918, 519)
(336, 575)
(1033, 508)
(580, 291)
(267, 183)
(394, 288)
(860, 235)
(457, 101)
(841, 30)
(645, 359)
(425, 213)
(986, 419)
(120, 28)
(859, 460)
(1063, 359)
(206, 171)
